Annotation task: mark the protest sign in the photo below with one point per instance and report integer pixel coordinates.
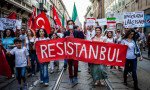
(90, 22)
(133, 19)
(6, 23)
(111, 23)
(102, 22)
(83, 50)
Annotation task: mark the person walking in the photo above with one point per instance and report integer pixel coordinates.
(21, 62)
(98, 72)
(29, 43)
(44, 77)
(133, 52)
(109, 38)
(72, 63)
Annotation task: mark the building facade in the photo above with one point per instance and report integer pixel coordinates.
(96, 10)
(120, 6)
(24, 8)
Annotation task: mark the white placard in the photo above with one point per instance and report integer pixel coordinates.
(90, 22)
(133, 19)
(102, 22)
(6, 23)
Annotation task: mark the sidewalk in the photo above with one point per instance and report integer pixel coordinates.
(115, 78)
(145, 54)
(5, 82)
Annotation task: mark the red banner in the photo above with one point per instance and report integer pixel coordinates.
(83, 50)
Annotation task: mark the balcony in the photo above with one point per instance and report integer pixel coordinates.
(25, 4)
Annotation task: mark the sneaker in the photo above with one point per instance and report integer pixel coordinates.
(46, 84)
(51, 72)
(75, 80)
(41, 82)
(102, 82)
(96, 83)
(13, 75)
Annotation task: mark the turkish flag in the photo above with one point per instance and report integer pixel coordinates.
(5, 69)
(31, 21)
(56, 18)
(41, 21)
(12, 15)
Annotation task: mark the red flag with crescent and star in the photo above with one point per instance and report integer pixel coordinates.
(41, 21)
(56, 18)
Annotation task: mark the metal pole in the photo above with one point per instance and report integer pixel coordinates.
(57, 84)
(108, 84)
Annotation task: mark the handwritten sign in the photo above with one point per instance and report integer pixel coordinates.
(6, 23)
(133, 19)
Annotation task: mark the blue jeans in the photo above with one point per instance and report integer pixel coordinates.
(44, 72)
(20, 74)
(131, 66)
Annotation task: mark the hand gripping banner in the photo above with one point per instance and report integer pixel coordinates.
(82, 50)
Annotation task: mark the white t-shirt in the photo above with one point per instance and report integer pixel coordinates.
(20, 56)
(130, 50)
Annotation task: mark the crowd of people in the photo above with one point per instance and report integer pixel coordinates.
(18, 49)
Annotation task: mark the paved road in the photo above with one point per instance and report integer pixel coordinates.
(85, 81)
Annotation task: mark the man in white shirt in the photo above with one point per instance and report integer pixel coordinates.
(90, 32)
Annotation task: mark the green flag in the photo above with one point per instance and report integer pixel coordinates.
(74, 13)
(75, 17)
(63, 20)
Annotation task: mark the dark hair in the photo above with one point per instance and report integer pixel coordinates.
(70, 21)
(23, 29)
(55, 34)
(108, 32)
(17, 40)
(75, 27)
(32, 34)
(12, 34)
(98, 28)
(128, 33)
(38, 33)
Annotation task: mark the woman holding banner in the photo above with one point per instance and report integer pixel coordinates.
(109, 38)
(133, 52)
(44, 78)
(98, 72)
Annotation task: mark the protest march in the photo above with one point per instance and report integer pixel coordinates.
(74, 44)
